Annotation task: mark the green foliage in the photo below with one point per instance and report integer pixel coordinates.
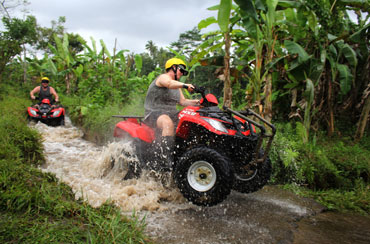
(97, 121)
(18, 141)
(21, 31)
(319, 164)
(18, 32)
(285, 154)
(355, 200)
(187, 42)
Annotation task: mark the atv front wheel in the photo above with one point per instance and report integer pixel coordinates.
(203, 176)
(250, 178)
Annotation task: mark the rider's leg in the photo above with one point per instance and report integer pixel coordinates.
(165, 123)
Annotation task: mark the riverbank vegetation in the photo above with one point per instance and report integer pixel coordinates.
(291, 63)
(35, 207)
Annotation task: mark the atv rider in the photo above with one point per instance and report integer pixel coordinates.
(160, 105)
(45, 91)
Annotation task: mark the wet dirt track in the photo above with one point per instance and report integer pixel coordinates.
(271, 215)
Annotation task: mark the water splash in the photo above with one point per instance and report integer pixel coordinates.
(88, 170)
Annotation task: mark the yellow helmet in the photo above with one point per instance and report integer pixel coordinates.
(174, 61)
(45, 78)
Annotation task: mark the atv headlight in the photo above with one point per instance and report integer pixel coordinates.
(56, 113)
(33, 112)
(217, 125)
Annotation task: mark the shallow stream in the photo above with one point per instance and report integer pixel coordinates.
(270, 215)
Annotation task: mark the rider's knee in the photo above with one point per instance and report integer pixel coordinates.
(166, 124)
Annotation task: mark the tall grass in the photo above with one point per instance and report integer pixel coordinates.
(34, 206)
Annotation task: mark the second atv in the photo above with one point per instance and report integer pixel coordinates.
(216, 150)
(52, 115)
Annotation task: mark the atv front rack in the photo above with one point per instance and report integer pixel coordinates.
(261, 136)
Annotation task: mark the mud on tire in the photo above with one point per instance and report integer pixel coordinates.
(203, 176)
(253, 179)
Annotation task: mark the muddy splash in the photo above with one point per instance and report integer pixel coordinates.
(88, 170)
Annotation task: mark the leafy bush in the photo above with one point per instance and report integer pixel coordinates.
(285, 155)
(322, 164)
(97, 121)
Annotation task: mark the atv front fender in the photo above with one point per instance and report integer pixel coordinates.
(136, 130)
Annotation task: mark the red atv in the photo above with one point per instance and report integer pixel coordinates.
(52, 115)
(215, 150)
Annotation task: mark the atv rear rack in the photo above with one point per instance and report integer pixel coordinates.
(263, 134)
(125, 117)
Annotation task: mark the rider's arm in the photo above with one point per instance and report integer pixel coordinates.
(53, 92)
(166, 81)
(187, 102)
(35, 90)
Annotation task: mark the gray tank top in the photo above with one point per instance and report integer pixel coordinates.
(45, 94)
(161, 99)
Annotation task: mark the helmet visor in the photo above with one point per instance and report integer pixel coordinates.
(183, 70)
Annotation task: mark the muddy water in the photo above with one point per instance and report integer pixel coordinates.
(271, 215)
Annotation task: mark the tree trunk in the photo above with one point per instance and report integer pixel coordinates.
(363, 119)
(227, 83)
(68, 83)
(330, 108)
(268, 103)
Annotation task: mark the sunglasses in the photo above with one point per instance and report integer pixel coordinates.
(44, 81)
(183, 70)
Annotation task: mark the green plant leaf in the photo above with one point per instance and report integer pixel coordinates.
(289, 4)
(138, 62)
(213, 8)
(204, 23)
(105, 49)
(295, 48)
(84, 110)
(78, 71)
(350, 55)
(65, 45)
(52, 67)
(359, 35)
(291, 85)
(345, 77)
(224, 15)
(248, 7)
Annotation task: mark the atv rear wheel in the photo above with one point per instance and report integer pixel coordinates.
(126, 160)
(251, 178)
(203, 176)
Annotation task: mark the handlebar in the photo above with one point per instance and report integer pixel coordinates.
(200, 90)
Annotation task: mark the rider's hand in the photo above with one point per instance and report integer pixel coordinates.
(33, 97)
(189, 87)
